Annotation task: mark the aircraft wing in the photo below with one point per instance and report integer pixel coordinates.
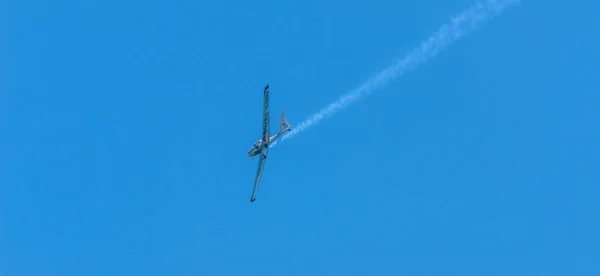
(266, 117)
(261, 165)
(265, 136)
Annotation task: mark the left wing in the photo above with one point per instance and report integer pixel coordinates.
(265, 136)
(266, 117)
(261, 165)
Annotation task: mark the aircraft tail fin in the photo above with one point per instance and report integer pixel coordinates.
(284, 125)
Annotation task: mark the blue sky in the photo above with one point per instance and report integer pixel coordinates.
(124, 130)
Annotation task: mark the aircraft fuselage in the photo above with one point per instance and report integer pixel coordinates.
(263, 143)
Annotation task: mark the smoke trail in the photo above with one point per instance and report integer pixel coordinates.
(459, 26)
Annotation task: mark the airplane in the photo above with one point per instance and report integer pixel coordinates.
(261, 147)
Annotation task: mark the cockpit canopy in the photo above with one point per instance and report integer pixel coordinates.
(257, 143)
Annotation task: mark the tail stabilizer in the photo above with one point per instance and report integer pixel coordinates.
(284, 125)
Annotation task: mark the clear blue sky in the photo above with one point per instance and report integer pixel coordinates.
(125, 127)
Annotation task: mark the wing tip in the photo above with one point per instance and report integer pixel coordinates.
(252, 199)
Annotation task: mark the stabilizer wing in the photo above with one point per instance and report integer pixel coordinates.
(284, 125)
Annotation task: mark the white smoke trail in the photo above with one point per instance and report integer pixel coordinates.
(459, 26)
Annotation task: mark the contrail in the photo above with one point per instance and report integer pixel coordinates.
(459, 26)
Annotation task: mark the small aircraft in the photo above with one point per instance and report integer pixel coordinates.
(261, 147)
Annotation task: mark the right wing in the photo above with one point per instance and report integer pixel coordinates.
(261, 165)
(266, 117)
